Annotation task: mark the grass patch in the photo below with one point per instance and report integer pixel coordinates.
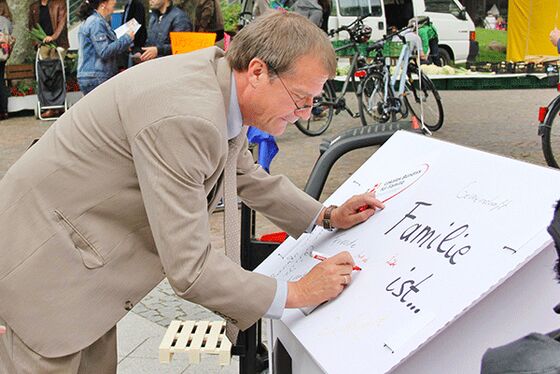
(484, 37)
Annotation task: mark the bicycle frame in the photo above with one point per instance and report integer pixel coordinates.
(338, 103)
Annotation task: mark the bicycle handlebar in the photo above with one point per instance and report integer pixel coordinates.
(349, 26)
(378, 44)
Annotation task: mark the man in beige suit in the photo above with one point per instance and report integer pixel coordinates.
(116, 196)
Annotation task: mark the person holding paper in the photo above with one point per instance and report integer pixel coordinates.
(117, 195)
(164, 19)
(99, 47)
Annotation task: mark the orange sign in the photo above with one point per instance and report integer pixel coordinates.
(186, 41)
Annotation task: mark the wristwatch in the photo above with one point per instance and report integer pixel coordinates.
(327, 225)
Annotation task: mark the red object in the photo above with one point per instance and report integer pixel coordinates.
(360, 73)
(543, 110)
(415, 124)
(558, 87)
(472, 36)
(364, 207)
(275, 237)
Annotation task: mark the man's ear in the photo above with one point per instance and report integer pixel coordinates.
(257, 72)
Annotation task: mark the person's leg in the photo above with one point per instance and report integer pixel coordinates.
(25, 361)
(3, 93)
(101, 356)
(434, 51)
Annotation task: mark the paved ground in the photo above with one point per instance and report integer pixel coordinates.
(501, 122)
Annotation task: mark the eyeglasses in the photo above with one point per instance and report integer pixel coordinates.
(298, 108)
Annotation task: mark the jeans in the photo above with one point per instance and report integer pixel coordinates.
(87, 85)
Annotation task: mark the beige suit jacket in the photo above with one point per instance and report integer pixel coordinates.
(116, 195)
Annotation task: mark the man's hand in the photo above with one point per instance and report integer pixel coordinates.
(149, 53)
(48, 39)
(355, 210)
(2, 330)
(554, 36)
(324, 282)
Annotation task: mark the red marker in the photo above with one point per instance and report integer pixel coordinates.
(322, 257)
(364, 207)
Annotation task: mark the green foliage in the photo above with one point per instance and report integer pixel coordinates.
(38, 35)
(24, 87)
(484, 37)
(230, 12)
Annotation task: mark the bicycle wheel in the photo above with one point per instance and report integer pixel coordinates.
(551, 137)
(371, 102)
(429, 98)
(321, 114)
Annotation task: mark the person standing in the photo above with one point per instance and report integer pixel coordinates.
(326, 5)
(135, 9)
(430, 40)
(99, 46)
(310, 9)
(164, 19)
(554, 36)
(51, 15)
(5, 27)
(209, 18)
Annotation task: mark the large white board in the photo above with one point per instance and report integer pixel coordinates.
(457, 223)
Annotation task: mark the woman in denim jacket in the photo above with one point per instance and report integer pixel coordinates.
(99, 46)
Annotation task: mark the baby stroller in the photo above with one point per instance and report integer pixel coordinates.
(51, 83)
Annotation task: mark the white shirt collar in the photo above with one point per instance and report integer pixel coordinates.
(234, 118)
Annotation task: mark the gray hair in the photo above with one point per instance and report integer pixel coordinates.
(279, 39)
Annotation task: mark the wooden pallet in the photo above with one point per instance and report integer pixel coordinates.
(195, 338)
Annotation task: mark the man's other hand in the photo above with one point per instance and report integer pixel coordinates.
(324, 282)
(554, 36)
(149, 53)
(2, 330)
(355, 210)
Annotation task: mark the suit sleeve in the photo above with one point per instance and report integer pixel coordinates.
(276, 197)
(173, 158)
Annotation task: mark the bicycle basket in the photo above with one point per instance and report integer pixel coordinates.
(392, 49)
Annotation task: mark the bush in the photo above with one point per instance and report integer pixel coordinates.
(230, 12)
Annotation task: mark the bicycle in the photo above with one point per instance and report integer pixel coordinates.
(329, 104)
(549, 133)
(379, 98)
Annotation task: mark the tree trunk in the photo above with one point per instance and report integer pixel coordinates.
(23, 50)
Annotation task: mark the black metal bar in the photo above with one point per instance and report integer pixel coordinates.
(332, 150)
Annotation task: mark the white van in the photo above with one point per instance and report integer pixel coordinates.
(454, 26)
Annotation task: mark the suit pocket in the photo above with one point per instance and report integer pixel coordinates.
(90, 255)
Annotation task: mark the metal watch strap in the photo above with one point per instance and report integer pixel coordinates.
(327, 225)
